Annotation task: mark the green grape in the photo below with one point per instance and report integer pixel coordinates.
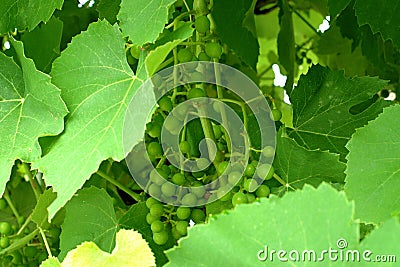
(234, 177)
(219, 157)
(154, 149)
(222, 167)
(199, 190)
(131, 60)
(250, 185)
(196, 92)
(211, 91)
(202, 24)
(175, 234)
(202, 163)
(185, 55)
(203, 57)
(135, 51)
(154, 130)
(165, 104)
(181, 227)
(198, 174)
(166, 170)
(265, 171)
(5, 228)
(222, 193)
(250, 170)
(213, 50)
(276, 115)
(151, 201)
(189, 199)
(158, 176)
(218, 106)
(263, 191)
(184, 146)
(154, 190)
(160, 238)
(178, 179)
(239, 198)
(4, 242)
(150, 218)
(157, 210)
(30, 251)
(221, 146)
(168, 189)
(198, 216)
(200, 7)
(21, 220)
(3, 204)
(183, 213)
(268, 151)
(173, 124)
(250, 198)
(173, 169)
(157, 226)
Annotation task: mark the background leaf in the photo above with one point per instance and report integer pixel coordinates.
(135, 16)
(374, 186)
(40, 213)
(336, 7)
(108, 9)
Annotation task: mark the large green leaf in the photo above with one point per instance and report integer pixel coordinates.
(337, 6)
(321, 108)
(289, 223)
(97, 84)
(297, 165)
(40, 213)
(373, 168)
(382, 16)
(18, 14)
(30, 107)
(229, 21)
(89, 216)
(286, 49)
(306, 221)
(142, 21)
(43, 43)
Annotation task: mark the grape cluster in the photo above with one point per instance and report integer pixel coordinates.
(236, 183)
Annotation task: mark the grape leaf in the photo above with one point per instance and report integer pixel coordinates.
(286, 49)
(18, 14)
(135, 218)
(97, 221)
(30, 107)
(229, 22)
(97, 84)
(108, 9)
(321, 108)
(336, 7)
(182, 33)
(142, 21)
(234, 238)
(43, 43)
(311, 166)
(40, 213)
(131, 250)
(373, 178)
(382, 17)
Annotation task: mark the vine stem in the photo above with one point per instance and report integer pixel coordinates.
(34, 184)
(11, 204)
(46, 244)
(134, 195)
(27, 221)
(280, 180)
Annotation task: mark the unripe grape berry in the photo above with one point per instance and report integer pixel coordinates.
(250, 170)
(196, 92)
(160, 238)
(157, 226)
(154, 149)
(151, 201)
(184, 146)
(239, 198)
(276, 115)
(263, 191)
(198, 216)
(165, 103)
(265, 171)
(157, 210)
(250, 185)
(181, 227)
(213, 50)
(5, 228)
(199, 191)
(202, 24)
(4, 242)
(168, 189)
(183, 213)
(178, 179)
(154, 130)
(154, 190)
(234, 177)
(185, 55)
(135, 51)
(250, 198)
(158, 176)
(172, 124)
(150, 218)
(189, 199)
(222, 167)
(268, 151)
(203, 57)
(202, 163)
